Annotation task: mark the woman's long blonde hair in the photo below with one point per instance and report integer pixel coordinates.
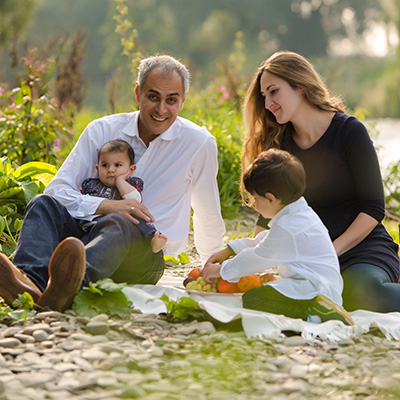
(262, 130)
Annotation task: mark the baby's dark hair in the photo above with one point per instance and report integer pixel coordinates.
(277, 172)
(118, 146)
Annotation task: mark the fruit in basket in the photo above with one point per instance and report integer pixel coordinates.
(249, 282)
(196, 272)
(227, 287)
(201, 285)
(187, 280)
(267, 277)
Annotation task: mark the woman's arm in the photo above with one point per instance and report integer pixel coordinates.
(360, 228)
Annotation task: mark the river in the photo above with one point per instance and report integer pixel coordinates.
(386, 136)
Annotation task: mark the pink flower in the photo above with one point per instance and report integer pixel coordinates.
(224, 92)
(57, 145)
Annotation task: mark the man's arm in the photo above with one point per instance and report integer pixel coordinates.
(207, 220)
(79, 165)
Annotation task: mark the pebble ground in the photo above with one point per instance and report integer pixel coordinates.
(66, 356)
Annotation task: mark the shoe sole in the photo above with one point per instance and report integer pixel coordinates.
(330, 305)
(67, 270)
(14, 282)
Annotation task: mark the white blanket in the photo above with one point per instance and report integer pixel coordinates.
(226, 308)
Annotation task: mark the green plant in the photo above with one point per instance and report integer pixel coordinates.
(18, 185)
(22, 308)
(103, 297)
(392, 186)
(182, 310)
(224, 122)
(29, 130)
(128, 36)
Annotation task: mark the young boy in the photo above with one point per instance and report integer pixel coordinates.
(297, 244)
(115, 168)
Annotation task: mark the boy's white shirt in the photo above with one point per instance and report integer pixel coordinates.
(299, 247)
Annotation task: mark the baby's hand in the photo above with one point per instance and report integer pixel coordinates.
(125, 176)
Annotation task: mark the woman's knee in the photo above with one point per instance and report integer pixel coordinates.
(364, 287)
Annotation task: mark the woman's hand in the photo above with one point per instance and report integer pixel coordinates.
(128, 208)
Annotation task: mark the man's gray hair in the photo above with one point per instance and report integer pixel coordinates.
(166, 64)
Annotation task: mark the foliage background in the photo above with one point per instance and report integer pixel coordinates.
(63, 64)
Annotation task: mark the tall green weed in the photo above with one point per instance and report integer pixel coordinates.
(224, 122)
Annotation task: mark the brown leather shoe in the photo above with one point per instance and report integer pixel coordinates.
(66, 269)
(13, 282)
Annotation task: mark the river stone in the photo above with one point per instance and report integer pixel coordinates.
(40, 335)
(9, 332)
(9, 343)
(42, 326)
(97, 327)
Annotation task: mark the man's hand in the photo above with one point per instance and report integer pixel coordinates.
(128, 208)
(211, 270)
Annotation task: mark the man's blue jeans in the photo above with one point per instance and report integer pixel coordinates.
(115, 247)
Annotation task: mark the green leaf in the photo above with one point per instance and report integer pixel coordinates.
(2, 225)
(185, 308)
(170, 260)
(108, 285)
(184, 258)
(18, 224)
(35, 170)
(24, 301)
(30, 190)
(103, 297)
(188, 302)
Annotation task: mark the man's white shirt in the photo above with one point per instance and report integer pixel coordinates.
(179, 171)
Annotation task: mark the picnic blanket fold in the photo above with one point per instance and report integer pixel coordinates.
(263, 325)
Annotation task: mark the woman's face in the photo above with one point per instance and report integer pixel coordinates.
(281, 99)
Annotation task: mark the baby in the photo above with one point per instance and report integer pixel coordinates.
(115, 168)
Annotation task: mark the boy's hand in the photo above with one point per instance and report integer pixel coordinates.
(211, 270)
(221, 256)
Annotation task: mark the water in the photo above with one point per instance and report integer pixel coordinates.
(386, 137)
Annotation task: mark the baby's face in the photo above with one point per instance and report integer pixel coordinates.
(112, 165)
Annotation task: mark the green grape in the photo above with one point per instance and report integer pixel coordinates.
(201, 285)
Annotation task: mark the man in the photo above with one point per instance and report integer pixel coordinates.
(177, 161)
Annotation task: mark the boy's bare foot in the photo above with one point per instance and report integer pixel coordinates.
(158, 242)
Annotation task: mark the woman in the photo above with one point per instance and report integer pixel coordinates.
(287, 106)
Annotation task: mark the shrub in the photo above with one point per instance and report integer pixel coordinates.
(18, 185)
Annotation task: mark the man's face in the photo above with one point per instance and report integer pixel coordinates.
(160, 100)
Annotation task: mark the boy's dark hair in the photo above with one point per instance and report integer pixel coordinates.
(277, 172)
(118, 146)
